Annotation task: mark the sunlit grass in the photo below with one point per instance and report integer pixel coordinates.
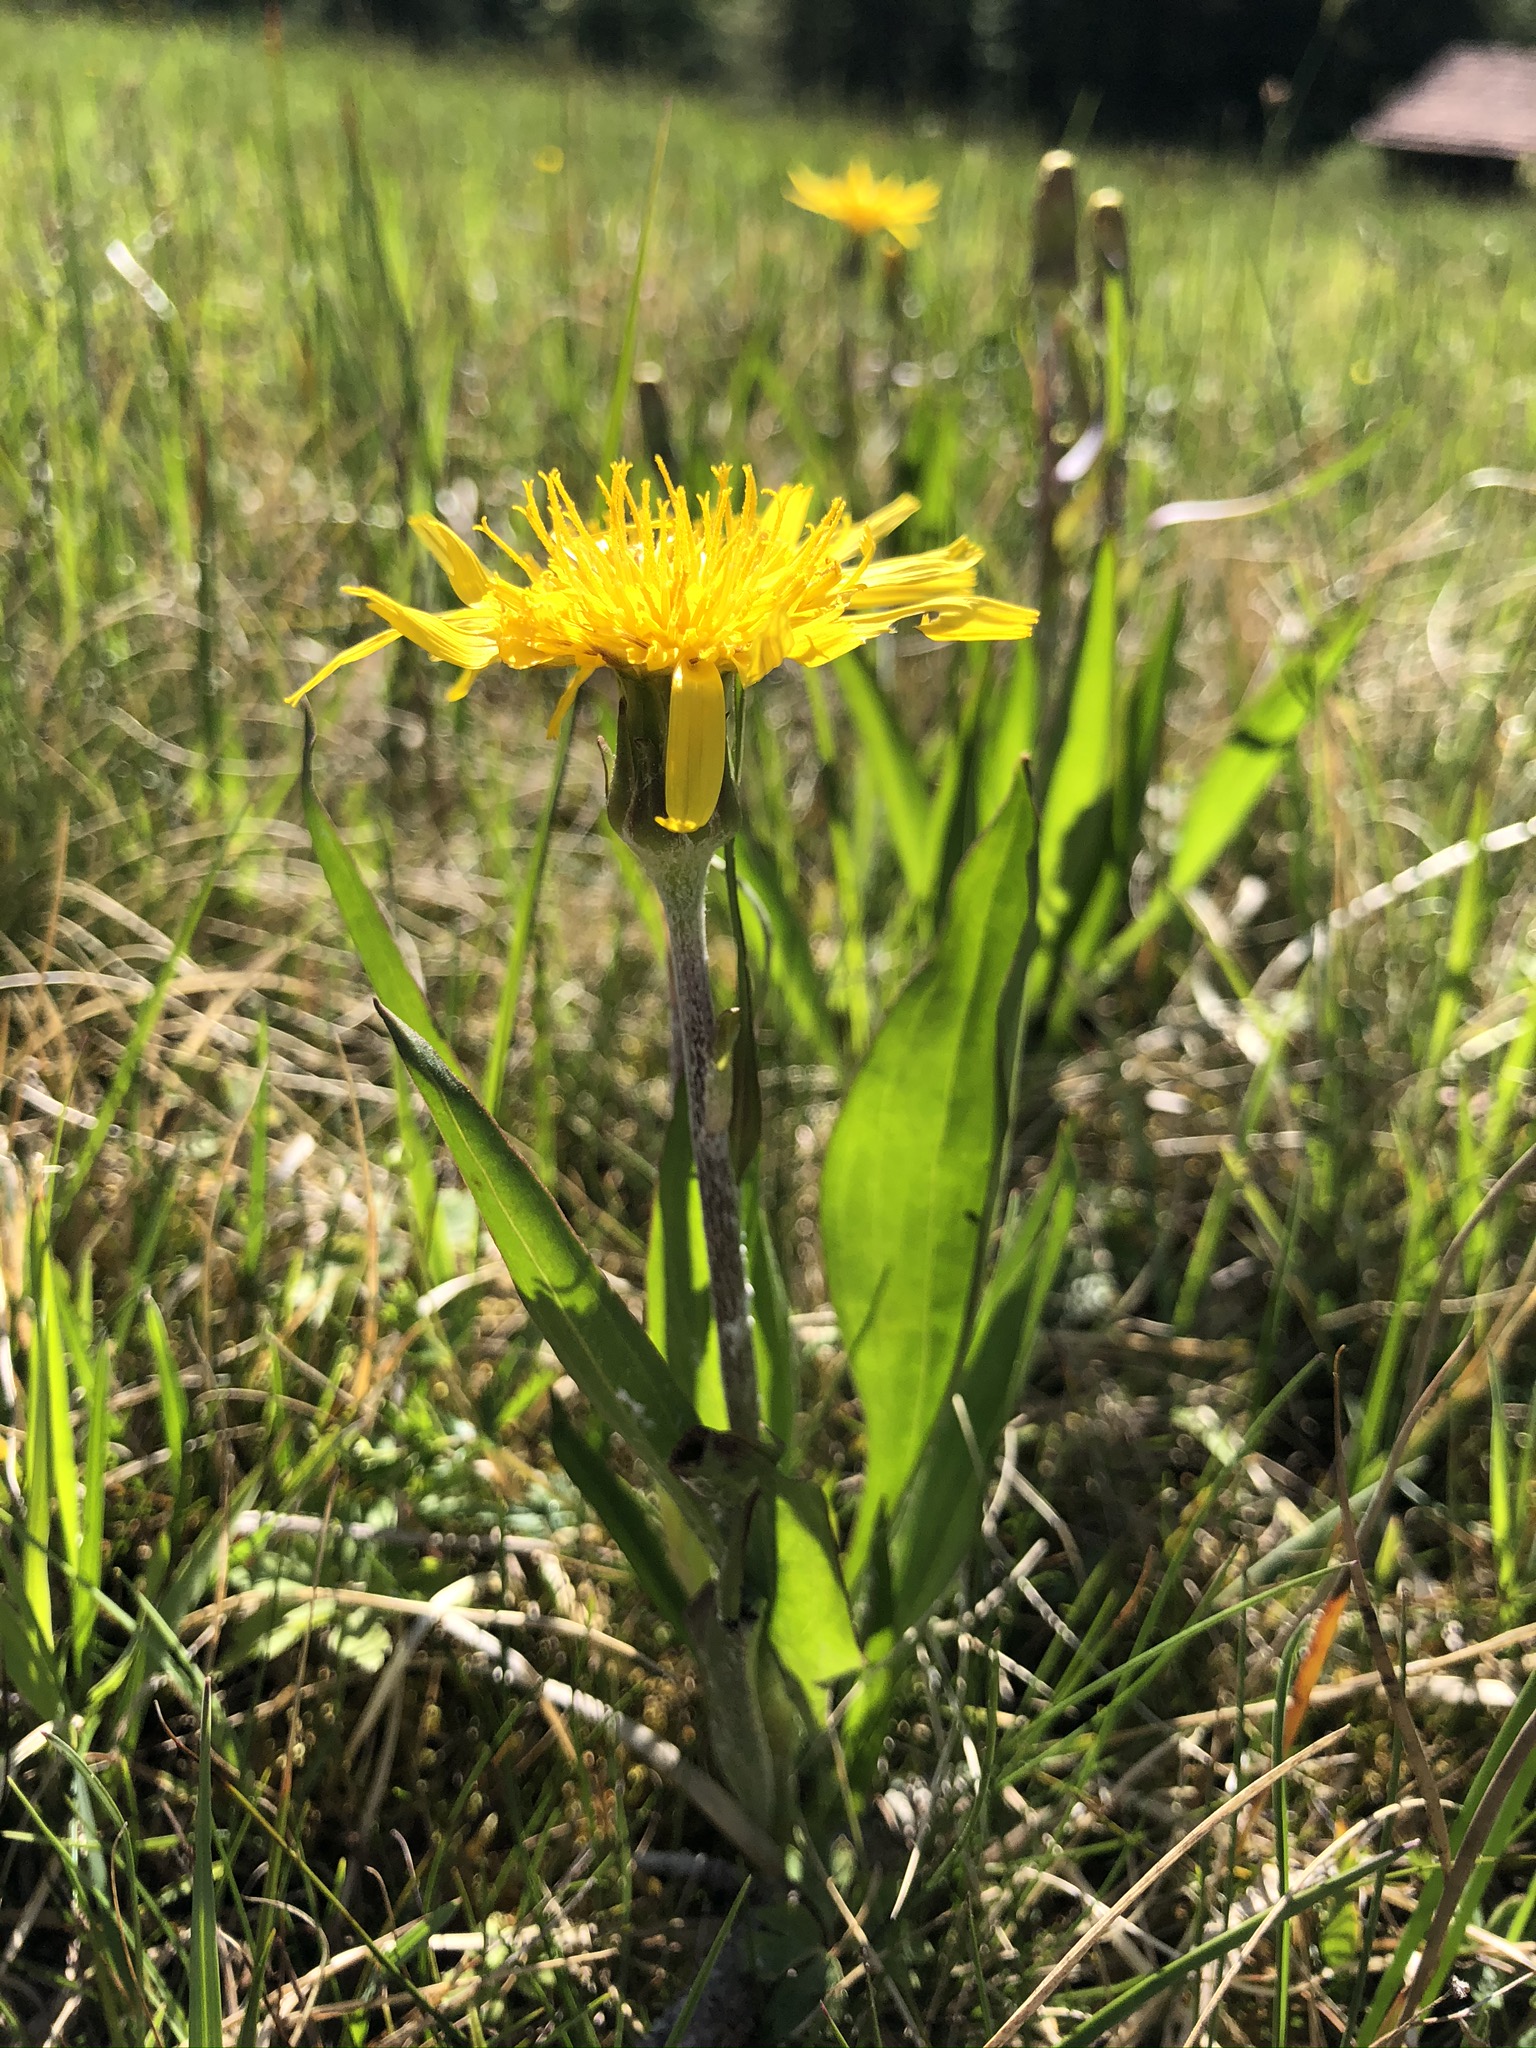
(312, 1398)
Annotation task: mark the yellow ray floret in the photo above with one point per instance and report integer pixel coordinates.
(686, 595)
(865, 204)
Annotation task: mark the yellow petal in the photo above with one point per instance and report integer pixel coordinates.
(980, 618)
(695, 746)
(456, 558)
(458, 637)
(463, 683)
(567, 699)
(889, 517)
(344, 660)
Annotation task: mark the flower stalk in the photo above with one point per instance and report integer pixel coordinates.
(709, 1115)
(678, 865)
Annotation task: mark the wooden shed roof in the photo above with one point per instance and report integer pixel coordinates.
(1474, 99)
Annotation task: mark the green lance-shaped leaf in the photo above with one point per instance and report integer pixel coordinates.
(1138, 741)
(1006, 731)
(593, 1335)
(811, 1625)
(1076, 816)
(778, 1363)
(1141, 735)
(383, 962)
(677, 1313)
(908, 1174)
(940, 1513)
(205, 2008)
(810, 1622)
(623, 1515)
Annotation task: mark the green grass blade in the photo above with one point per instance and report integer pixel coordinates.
(1156, 1984)
(383, 963)
(36, 1479)
(138, 1040)
(93, 1379)
(1246, 765)
(26, 1653)
(174, 1411)
(888, 757)
(1239, 774)
(522, 928)
(1513, 1811)
(256, 1178)
(1145, 717)
(778, 1364)
(677, 1309)
(1462, 943)
(788, 964)
(613, 426)
(679, 2028)
(64, 1474)
(585, 1324)
(205, 2007)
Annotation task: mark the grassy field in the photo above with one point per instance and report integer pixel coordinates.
(269, 1401)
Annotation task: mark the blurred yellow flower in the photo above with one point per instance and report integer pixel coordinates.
(549, 160)
(865, 204)
(686, 597)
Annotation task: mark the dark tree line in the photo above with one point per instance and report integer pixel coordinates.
(1192, 70)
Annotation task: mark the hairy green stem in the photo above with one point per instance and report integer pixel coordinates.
(709, 1108)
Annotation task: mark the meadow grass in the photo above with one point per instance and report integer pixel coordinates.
(261, 304)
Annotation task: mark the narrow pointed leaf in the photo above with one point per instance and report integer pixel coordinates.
(523, 916)
(778, 1363)
(205, 2008)
(1246, 765)
(1076, 814)
(908, 1174)
(583, 1321)
(1241, 771)
(677, 1311)
(622, 1514)
(941, 1511)
(811, 1627)
(889, 757)
(789, 965)
(384, 964)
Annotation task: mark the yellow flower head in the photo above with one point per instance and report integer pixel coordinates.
(654, 589)
(550, 160)
(865, 204)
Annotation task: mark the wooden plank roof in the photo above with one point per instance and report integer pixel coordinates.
(1474, 99)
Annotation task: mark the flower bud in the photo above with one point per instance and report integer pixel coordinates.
(1053, 262)
(1105, 216)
